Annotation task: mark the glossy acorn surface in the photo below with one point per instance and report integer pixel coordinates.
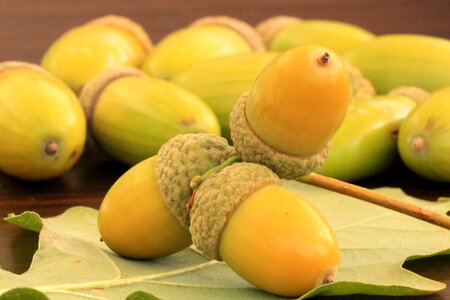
(299, 100)
(394, 60)
(366, 143)
(134, 220)
(135, 115)
(84, 51)
(335, 35)
(42, 125)
(187, 46)
(424, 137)
(280, 243)
(220, 81)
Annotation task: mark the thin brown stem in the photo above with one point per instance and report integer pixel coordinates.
(377, 198)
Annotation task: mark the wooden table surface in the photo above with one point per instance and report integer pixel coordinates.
(27, 27)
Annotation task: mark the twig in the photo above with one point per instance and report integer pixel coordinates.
(377, 198)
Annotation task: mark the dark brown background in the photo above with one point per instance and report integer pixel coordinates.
(27, 27)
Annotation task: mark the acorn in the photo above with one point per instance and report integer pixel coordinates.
(84, 51)
(294, 108)
(424, 140)
(42, 125)
(134, 220)
(365, 144)
(131, 115)
(267, 234)
(143, 215)
(204, 39)
(290, 32)
(220, 81)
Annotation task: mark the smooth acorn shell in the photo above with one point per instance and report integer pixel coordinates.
(394, 60)
(424, 137)
(84, 51)
(134, 220)
(338, 36)
(221, 81)
(280, 243)
(366, 143)
(134, 116)
(187, 46)
(42, 125)
(298, 102)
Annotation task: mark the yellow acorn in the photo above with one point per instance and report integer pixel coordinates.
(366, 143)
(42, 125)
(204, 39)
(335, 35)
(292, 111)
(134, 220)
(394, 60)
(143, 215)
(84, 51)
(220, 81)
(270, 236)
(424, 137)
(131, 115)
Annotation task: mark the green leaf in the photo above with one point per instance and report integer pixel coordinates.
(23, 293)
(72, 263)
(28, 220)
(140, 295)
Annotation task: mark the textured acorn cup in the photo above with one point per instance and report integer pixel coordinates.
(417, 94)
(92, 90)
(182, 158)
(360, 87)
(128, 25)
(267, 234)
(218, 197)
(294, 108)
(242, 28)
(270, 27)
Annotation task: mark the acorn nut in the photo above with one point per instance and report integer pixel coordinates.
(267, 234)
(134, 220)
(335, 35)
(221, 80)
(204, 39)
(424, 140)
(296, 105)
(131, 115)
(82, 52)
(42, 125)
(143, 215)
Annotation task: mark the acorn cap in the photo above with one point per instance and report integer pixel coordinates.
(127, 25)
(218, 197)
(94, 87)
(270, 27)
(182, 158)
(14, 64)
(252, 149)
(239, 26)
(415, 93)
(360, 87)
